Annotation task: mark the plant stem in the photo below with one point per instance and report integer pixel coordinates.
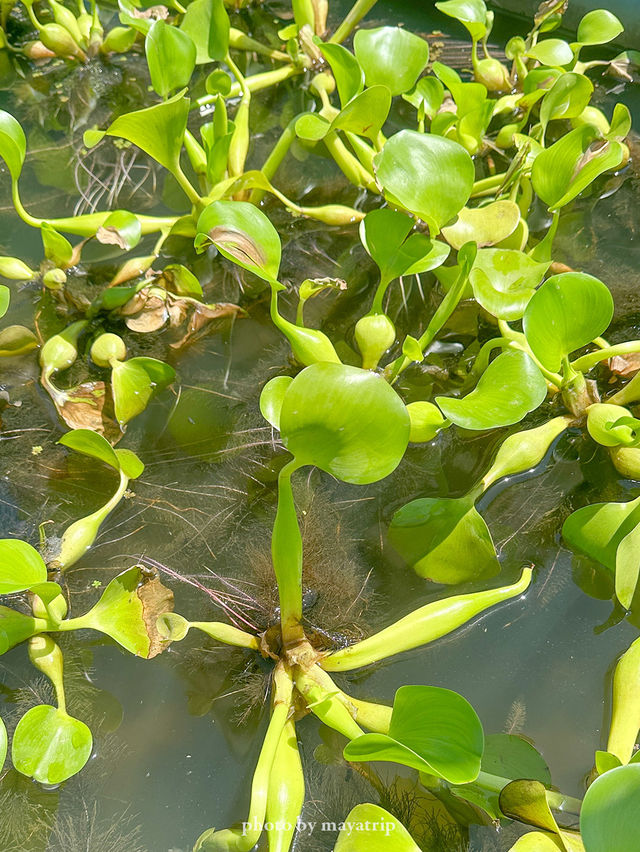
(185, 184)
(488, 185)
(286, 553)
(425, 624)
(375, 717)
(241, 41)
(586, 362)
(326, 704)
(240, 140)
(255, 83)
(349, 165)
(228, 634)
(275, 158)
(353, 18)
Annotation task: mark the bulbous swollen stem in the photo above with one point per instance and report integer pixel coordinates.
(245, 837)
(325, 703)
(79, 537)
(424, 625)
(286, 554)
(374, 717)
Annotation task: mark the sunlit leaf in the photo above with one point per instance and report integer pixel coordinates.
(429, 175)
(485, 226)
(598, 27)
(369, 828)
(3, 744)
(91, 444)
(610, 812)
(597, 530)
(21, 566)
(567, 98)
(551, 51)
(444, 540)
(13, 144)
(16, 340)
(5, 298)
(243, 234)
(570, 165)
(511, 387)
(49, 745)
(471, 13)
(365, 113)
(207, 24)
(347, 421)
(385, 235)
(129, 463)
(158, 130)
(133, 383)
(272, 397)
(432, 730)
(428, 95)
(567, 312)
(628, 567)
(57, 248)
(171, 57)
(504, 280)
(346, 70)
(391, 56)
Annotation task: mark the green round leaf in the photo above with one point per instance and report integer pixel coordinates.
(49, 745)
(510, 387)
(3, 744)
(567, 98)
(91, 444)
(391, 56)
(504, 280)
(485, 226)
(511, 756)
(243, 234)
(272, 397)
(369, 828)
(471, 13)
(347, 421)
(567, 312)
(598, 27)
(597, 530)
(346, 70)
(432, 730)
(610, 812)
(16, 340)
(13, 144)
(21, 566)
(366, 113)
(207, 24)
(171, 57)
(429, 175)
(386, 235)
(129, 463)
(551, 51)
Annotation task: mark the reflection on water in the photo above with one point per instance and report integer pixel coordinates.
(177, 737)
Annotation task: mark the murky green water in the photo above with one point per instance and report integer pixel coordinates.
(177, 737)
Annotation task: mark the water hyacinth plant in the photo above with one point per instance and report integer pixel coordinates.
(460, 177)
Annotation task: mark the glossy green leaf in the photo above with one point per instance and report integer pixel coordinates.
(180, 280)
(597, 530)
(49, 745)
(620, 123)
(567, 312)
(426, 421)
(628, 567)
(15, 269)
(120, 228)
(538, 841)
(91, 444)
(511, 756)
(432, 730)
(5, 298)
(157, 130)
(16, 340)
(385, 235)
(347, 421)
(511, 387)
(526, 801)
(471, 13)
(598, 27)
(365, 114)
(610, 812)
(346, 70)
(504, 280)
(129, 463)
(444, 540)
(429, 175)
(428, 95)
(605, 761)
(369, 828)
(57, 248)
(171, 57)
(133, 383)
(243, 234)
(272, 397)
(570, 165)
(551, 51)
(567, 98)
(485, 225)
(13, 144)
(3, 744)
(611, 425)
(391, 56)
(128, 611)
(21, 566)
(207, 24)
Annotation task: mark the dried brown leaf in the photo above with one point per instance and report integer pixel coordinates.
(155, 599)
(202, 316)
(625, 365)
(88, 406)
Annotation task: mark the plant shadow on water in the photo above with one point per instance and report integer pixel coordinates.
(202, 512)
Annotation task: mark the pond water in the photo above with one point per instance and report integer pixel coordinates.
(177, 737)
